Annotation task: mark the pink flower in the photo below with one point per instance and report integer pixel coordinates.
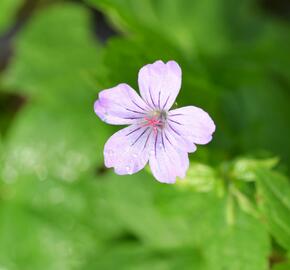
(155, 133)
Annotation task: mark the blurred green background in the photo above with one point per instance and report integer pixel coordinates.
(61, 209)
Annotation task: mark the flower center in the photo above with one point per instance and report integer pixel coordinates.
(155, 120)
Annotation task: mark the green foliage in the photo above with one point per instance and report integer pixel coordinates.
(201, 223)
(51, 138)
(282, 266)
(8, 12)
(275, 202)
(235, 84)
(54, 63)
(69, 230)
(245, 168)
(191, 25)
(60, 209)
(200, 177)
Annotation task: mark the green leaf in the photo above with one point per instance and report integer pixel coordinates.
(54, 224)
(209, 26)
(164, 217)
(133, 256)
(49, 200)
(199, 177)
(52, 142)
(244, 202)
(56, 134)
(282, 266)
(192, 25)
(274, 198)
(8, 11)
(245, 168)
(53, 63)
(242, 245)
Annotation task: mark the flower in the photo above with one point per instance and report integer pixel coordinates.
(155, 133)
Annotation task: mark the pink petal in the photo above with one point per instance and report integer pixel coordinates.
(127, 151)
(120, 105)
(192, 123)
(160, 83)
(167, 162)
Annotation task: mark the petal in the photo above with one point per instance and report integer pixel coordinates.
(180, 142)
(166, 161)
(159, 83)
(191, 123)
(120, 105)
(127, 151)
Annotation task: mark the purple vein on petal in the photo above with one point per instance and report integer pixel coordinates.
(147, 139)
(139, 136)
(166, 137)
(136, 129)
(132, 118)
(151, 97)
(155, 145)
(147, 103)
(159, 100)
(176, 122)
(176, 114)
(162, 139)
(141, 108)
(166, 102)
(174, 130)
(134, 111)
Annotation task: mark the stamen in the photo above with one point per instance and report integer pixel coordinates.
(156, 121)
(153, 122)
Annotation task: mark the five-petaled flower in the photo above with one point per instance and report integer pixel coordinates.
(155, 133)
